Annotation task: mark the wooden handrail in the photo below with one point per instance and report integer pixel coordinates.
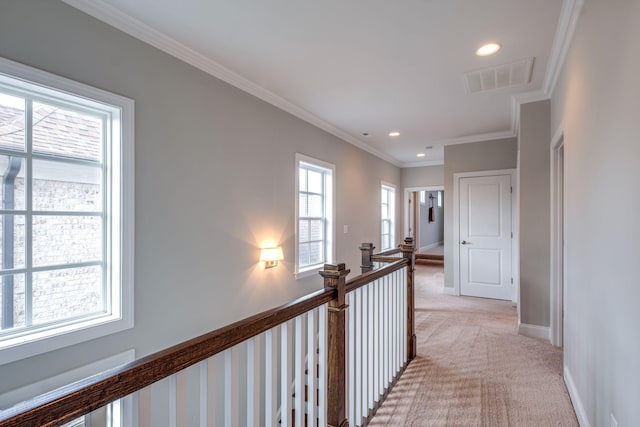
(80, 398)
(378, 258)
(389, 252)
(365, 278)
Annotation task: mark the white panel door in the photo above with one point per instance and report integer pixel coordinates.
(485, 236)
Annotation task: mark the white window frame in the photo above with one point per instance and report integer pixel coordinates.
(120, 214)
(329, 214)
(391, 207)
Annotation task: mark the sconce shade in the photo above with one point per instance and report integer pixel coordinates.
(271, 256)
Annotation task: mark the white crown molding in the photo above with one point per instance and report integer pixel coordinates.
(421, 164)
(135, 28)
(564, 33)
(567, 23)
(476, 138)
(523, 98)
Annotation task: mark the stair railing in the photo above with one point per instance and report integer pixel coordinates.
(329, 358)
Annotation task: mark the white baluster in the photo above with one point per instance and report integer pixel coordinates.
(299, 372)
(351, 358)
(231, 387)
(172, 401)
(357, 313)
(312, 361)
(271, 382)
(322, 356)
(365, 346)
(285, 377)
(253, 380)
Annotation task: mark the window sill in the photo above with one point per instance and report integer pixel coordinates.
(22, 347)
(309, 272)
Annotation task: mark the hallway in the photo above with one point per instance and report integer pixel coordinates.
(473, 369)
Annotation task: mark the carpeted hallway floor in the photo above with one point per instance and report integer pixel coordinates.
(473, 369)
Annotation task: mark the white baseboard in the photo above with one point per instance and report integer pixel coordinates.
(449, 291)
(534, 331)
(433, 245)
(575, 399)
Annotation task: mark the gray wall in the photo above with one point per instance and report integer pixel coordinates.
(597, 101)
(534, 196)
(474, 157)
(425, 176)
(431, 232)
(214, 179)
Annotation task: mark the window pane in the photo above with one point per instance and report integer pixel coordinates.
(11, 122)
(62, 294)
(15, 282)
(61, 132)
(303, 230)
(303, 254)
(315, 182)
(384, 212)
(66, 239)
(385, 242)
(302, 205)
(11, 241)
(317, 228)
(385, 227)
(384, 196)
(316, 255)
(12, 179)
(315, 206)
(67, 187)
(302, 186)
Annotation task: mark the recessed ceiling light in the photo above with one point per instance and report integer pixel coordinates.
(429, 147)
(394, 133)
(365, 133)
(420, 155)
(488, 49)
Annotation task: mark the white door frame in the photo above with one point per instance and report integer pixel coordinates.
(407, 195)
(515, 272)
(558, 242)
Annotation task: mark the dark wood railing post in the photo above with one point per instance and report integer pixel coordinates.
(335, 277)
(408, 249)
(367, 253)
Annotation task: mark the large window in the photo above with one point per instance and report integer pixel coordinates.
(314, 212)
(66, 230)
(387, 215)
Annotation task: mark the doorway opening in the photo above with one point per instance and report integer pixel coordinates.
(424, 217)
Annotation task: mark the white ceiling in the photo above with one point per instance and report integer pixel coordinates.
(359, 65)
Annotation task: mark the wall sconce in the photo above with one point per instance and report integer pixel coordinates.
(271, 256)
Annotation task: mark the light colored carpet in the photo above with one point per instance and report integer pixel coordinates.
(473, 369)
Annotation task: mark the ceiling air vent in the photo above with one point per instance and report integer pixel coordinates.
(506, 75)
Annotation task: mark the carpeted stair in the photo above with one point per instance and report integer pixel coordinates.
(429, 259)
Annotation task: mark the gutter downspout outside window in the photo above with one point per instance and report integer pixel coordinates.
(8, 201)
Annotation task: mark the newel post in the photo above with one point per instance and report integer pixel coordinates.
(367, 253)
(408, 249)
(335, 277)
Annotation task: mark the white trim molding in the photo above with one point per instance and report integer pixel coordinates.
(567, 23)
(534, 331)
(557, 277)
(578, 407)
(135, 28)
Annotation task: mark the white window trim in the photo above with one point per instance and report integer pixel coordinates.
(392, 243)
(331, 227)
(122, 317)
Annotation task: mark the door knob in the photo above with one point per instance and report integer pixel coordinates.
(464, 242)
